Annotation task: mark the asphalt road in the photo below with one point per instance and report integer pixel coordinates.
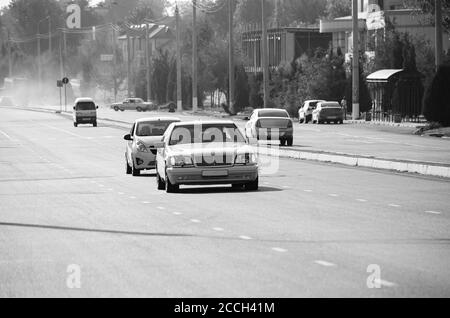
(312, 230)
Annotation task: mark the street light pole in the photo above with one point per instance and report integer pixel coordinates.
(194, 56)
(438, 24)
(179, 88)
(231, 57)
(355, 62)
(264, 58)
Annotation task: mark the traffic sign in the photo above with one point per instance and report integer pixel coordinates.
(65, 80)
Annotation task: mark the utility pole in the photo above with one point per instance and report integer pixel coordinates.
(231, 96)
(264, 57)
(179, 87)
(355, 62)
(9, 56)
(438, 24)
(147, 62)
(194, 56)
(128, 64)
(50, 35)
(39, 60)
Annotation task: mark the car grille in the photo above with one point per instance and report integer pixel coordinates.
(222, 160)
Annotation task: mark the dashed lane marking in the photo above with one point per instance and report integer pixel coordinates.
(433, 212)
(383, 282)
(324, 263)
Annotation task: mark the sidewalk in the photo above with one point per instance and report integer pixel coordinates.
(385, 147)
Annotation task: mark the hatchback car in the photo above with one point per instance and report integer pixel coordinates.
(140, 153)
(305, 112)
(328, 112)
(270, 124)
(204, 153)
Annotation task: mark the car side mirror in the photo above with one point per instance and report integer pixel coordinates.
(159, 145)
(128, 137)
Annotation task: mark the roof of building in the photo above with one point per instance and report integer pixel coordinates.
(382, 75)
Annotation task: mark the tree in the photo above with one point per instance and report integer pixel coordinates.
(436, 106)
(338, 8)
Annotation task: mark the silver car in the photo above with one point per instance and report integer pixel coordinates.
(204, 153)
(140, 153)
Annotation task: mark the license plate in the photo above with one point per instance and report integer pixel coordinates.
(215, 173)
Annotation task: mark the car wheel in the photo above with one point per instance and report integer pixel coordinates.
(128, 168)
(290, 141)
(135, 172)
(160, 184)
(116, 108)
(139, 109)
(171, 188)
(237, 186)
(252, 186)
(75, 124)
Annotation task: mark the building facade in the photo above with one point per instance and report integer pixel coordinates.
(372, 17)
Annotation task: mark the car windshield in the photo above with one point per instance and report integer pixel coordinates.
(85, 106)
(273, 113)
(152, 128)
(206, 133)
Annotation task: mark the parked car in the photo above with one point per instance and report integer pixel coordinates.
(85, 112)
(305, 112)
(203, 153)
(327, 112)
(137, 104)
(140, 153)
(270, 124)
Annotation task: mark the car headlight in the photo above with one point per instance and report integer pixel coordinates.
(141, 147)
(181, 161)
(245, 159)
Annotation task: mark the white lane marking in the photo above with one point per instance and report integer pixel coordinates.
(361, 200)
(324, 263)
(333, 195)
(244, 237)
(383, 282)
(394, 205)
(6, 135)
(161, 208)
(195, 221)
(177, 213)
(433, 212)
(218, 229)
(279, 249)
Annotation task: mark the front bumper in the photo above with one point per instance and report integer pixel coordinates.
(204, 176)
(144, 160)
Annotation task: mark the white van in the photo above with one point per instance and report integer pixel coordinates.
(85, 112)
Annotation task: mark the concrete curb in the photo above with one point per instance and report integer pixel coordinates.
(421, 168)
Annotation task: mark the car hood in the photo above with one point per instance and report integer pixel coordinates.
(149, 140)
(209, 148)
